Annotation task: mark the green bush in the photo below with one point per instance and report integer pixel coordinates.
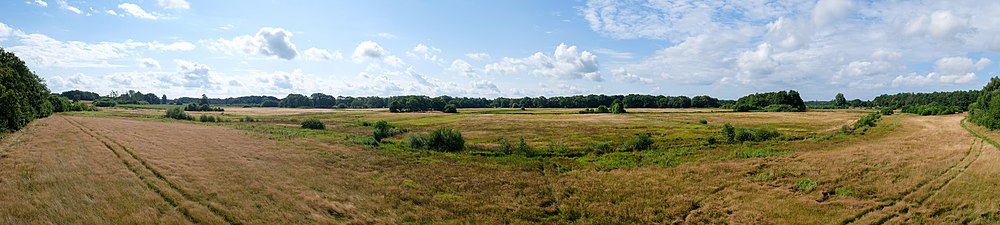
(711, 140)
(600, 148)
(383, 129)
(931, 109)
(638, 143)
(886, 111)
(178, 113)
(729, 132)
(450, 108)
(418, 141)
(313, 124)
(870, 120)
(446, 140)
(603, 109)
(780, 108)
(105, 102)
(703, 121)
(248, 119)
(209, 119)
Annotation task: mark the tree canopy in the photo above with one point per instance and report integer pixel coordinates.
(782, 101)
(23, 96)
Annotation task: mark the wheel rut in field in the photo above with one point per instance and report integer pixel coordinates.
(917, 195)
(155, 181)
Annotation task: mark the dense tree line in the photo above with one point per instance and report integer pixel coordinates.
(782, 101)
(78, 95)
(960, 99)
(23, 96)
(985, 111)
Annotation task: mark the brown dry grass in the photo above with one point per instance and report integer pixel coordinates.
(914, 166)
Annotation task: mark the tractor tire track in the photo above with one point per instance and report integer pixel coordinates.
(918, 195)
(154, 180)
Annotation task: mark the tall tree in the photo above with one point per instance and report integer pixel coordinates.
(839, 100)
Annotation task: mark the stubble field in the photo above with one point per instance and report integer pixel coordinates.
(128, 165)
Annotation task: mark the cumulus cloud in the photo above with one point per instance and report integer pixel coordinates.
(948, 70)
(149, 63)
(394, 61)
(419, 78)
(462, 67)
(194, 75)
(269, 41)
(622, 75)
(321, 54)
(755, 63)
(5, 31)
(136, 11)
(174, 4)
(368, 49)
(486, 86)
(66, 6)
(424, 51)
(111, 12)
(565, 63)
(941, 24)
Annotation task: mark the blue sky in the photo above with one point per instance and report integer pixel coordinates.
(506, 48)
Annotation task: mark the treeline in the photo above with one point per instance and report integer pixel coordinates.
(426, 103)
(985, 111)
(782, 101)
(959, 99)
(23, 96)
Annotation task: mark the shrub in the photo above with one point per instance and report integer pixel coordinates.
(638, 143)
(804, 184)
(313, 124)
(710, 140)
(524, 148)
(178, 113)
(703, 121)
(207, 118)
(729, 132)
(886, 111)
(418, 142)
(603, 109)
(105, 102)
(587, 111)
(248, 119)
(450, 108)
(755, 135)
(780, 108)
(446, 140)
(383, 129)
(870, 120)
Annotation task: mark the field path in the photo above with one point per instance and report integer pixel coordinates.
(193, 210)
(933, 127)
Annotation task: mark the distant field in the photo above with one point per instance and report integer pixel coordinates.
(908, 169)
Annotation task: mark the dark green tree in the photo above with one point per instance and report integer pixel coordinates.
(840, 101)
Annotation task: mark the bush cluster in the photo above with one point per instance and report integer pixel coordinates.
(781, 101)
(739, 135)
(105, 102)
(383, 129)
(600, 109)
(638, 143)
(209, 119)
(202, 107)
(178, 113)
(313, 124)
(441, 139)
(450, 108)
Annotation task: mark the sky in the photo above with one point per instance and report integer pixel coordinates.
(511, 48)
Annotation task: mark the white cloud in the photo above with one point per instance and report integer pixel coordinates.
(321, 54)
(752, 64)
(39, 3)
(462, 67)
(194, 75)
(136, 11)
(487, 86)
(149, 63)
(983, 63)
(67, 6)
(394, 61)
(176, 46)
(368, 49)
(427, 52)
(174, 4)
(44, 51)
(111, 12)
(478, 56)
(419, 78)
(5, 31)
(268, 41)
(827, 11)
(622, 75)
(941, 24)
(565, 63)
(948, 70)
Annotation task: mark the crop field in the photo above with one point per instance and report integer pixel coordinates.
(128, 165)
